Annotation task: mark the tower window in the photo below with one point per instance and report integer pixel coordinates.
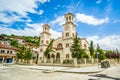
(47, 42)
(67, 45)
(69, 17)
(67, 34)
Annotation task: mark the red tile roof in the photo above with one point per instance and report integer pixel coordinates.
(4, 46)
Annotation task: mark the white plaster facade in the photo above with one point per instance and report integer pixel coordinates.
(62, 44)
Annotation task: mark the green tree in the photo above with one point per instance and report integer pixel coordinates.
(33, 40)
(24, 53)
(91, 49)
(101, 54)
(76, 49)
(4, 35)
(12, 35)
(20, 55)
(28, 55)
(14, 43)
(98, 47)
(21, 52)
(85, 55)
(49, 49)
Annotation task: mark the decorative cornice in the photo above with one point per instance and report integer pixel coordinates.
(69, 23)
(45, 33)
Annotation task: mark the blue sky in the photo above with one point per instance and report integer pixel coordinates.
(97, 20)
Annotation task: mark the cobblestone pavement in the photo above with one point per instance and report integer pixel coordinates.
(16, 72)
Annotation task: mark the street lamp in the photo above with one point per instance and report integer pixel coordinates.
(98, 59)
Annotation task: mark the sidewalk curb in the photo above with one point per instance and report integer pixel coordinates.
(81, 72)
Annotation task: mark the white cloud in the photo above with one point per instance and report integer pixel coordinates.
(28, 20)
(55, 34)
(30, 30)
(59, 21)
(91, 20)
(38, 29)
(99, 1)
(20, 7)
(108, 42)
(7, 19)
(40, 12)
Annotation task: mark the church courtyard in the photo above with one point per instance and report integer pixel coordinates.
(22, 72)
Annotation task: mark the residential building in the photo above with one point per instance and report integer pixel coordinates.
(7, 53)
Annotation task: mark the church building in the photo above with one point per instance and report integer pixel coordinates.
(62, 44)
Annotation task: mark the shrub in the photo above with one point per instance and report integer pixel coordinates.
(105, 64)
(68, 61)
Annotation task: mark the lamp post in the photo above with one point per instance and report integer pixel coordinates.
(98, 59)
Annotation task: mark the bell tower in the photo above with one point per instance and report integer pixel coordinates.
(44, 42)
(69, 26)
(69, 17)
(45, 35)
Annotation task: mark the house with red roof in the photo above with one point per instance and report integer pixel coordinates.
(7, 53)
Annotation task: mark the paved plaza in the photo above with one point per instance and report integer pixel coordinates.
(22, 72)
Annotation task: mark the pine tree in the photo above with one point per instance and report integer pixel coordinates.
(76, 49)
(101, 54)
(91, 49)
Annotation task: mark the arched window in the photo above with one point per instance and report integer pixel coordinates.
(48, 56)
(69, 17)
(67, 45)
(59, 46)
(45, 28)
(58, 55)
(47, 42)
(66, 18)
(67, 34)
(67, 56)
(53, 56)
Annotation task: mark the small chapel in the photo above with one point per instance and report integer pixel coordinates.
(62, 44)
